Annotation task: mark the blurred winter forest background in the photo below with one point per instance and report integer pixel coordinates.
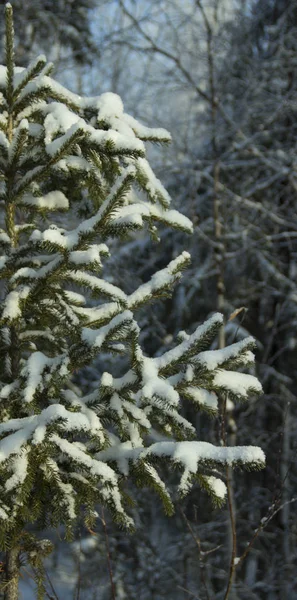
(221, 76)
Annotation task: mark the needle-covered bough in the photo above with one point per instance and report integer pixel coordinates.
(74, 174)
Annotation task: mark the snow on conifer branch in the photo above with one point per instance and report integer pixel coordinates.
(62, 152)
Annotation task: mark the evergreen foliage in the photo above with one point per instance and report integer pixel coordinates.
(63, 452)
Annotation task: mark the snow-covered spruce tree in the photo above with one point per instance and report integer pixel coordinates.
(63, 453)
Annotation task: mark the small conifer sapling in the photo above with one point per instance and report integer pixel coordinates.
(62, 453)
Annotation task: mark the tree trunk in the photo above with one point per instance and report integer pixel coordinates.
(12, 574)
(285, 513)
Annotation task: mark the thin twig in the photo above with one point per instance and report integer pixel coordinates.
(78, 587)
(51, 584)
(180, 587)
(232, 566)
(36, 575)
(264, 522)
(275, 508)
(201, 553)
(113, 590)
